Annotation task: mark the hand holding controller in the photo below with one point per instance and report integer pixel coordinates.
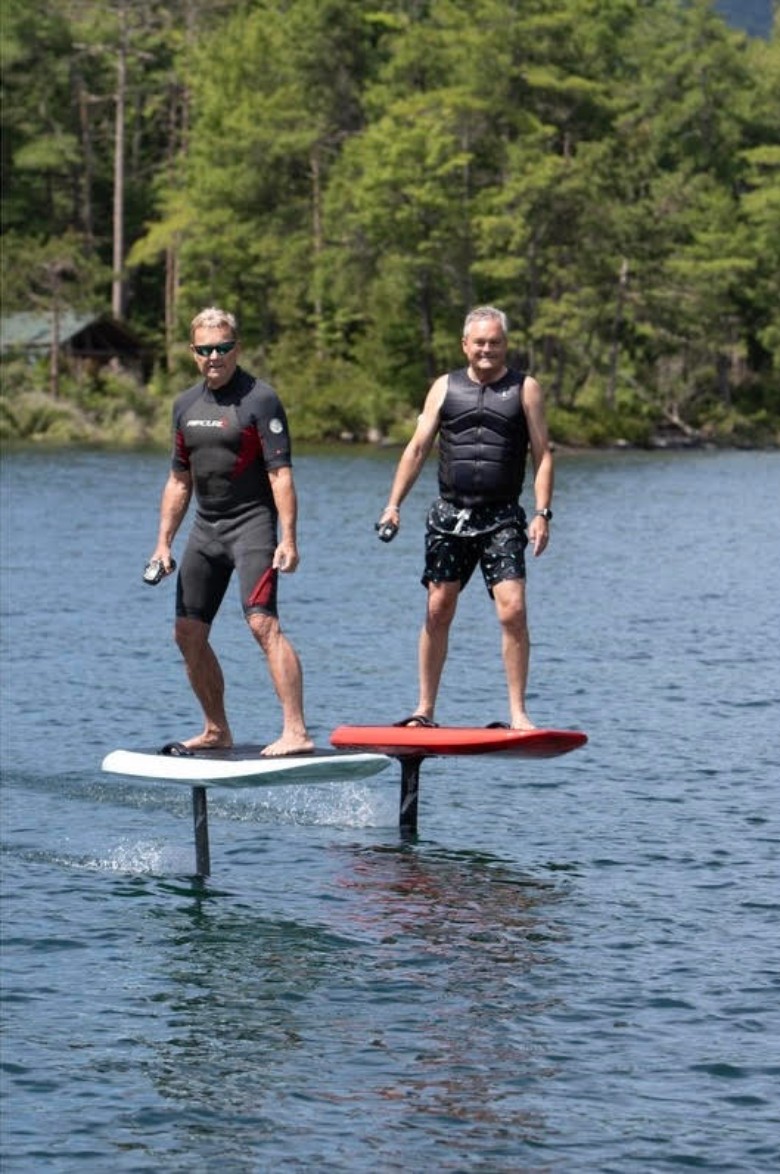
(386, 531)
(155, 572)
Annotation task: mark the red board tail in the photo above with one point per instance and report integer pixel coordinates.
(411, 741)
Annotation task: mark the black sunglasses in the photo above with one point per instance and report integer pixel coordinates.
(222, 348)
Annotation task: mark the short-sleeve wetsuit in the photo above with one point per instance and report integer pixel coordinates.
(228, 440)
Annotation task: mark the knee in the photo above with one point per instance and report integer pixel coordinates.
(263, 628)
(512, 616)
(441, 609)
(190, 635)
(509, 598)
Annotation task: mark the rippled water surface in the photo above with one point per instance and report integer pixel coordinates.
(574, 967)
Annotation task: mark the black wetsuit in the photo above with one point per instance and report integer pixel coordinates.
(228, 440)
(483, 445)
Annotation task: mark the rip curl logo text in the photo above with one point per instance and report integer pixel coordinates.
(206, 423)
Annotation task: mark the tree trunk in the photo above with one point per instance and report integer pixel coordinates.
(117, 285)
(426, 329)
(54, 356)
(616, 325)
(86, 217)
(316, 230)
(171, 300)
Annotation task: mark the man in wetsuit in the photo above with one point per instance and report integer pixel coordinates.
(232, 449)
(487, 416)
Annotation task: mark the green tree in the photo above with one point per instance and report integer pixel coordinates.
(405, 192)
(266, 124)
(40, 142)
(760, 209)
(351, 177)
(50, 276)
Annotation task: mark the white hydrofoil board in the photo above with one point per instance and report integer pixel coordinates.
(244, 766)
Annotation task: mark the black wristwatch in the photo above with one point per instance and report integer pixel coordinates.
(545, 513)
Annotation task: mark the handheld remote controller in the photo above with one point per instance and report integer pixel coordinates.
(154, 572)
(387, 531)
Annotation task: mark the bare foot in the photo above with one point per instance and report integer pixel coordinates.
(221, 741)
(285, 746)
(523, 724)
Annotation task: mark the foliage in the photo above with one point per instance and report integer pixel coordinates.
(96, 408)
(35, 416)
(350, 178)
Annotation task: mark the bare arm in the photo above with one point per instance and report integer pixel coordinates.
(416, 452)
(173, 506)
(544, 476)
(286, 556)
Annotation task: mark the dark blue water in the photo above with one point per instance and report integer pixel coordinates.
(575, 965)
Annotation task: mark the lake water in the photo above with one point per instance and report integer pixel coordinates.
(573, 967)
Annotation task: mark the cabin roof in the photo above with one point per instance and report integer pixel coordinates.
(86, 333)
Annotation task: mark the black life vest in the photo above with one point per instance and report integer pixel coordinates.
(483, 440)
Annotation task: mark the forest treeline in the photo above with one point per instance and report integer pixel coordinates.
(350, 176)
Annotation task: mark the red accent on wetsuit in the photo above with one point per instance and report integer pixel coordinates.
(251, 450)
(263, 592)
(182, 452)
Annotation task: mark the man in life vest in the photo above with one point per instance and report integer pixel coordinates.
(487, 416)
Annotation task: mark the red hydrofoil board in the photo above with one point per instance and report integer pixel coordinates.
(426, 742)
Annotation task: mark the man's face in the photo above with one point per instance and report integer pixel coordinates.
(485, 347)
(217, 369)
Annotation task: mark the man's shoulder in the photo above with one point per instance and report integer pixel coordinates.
(253, 386)
(458, 379)
(188, 396)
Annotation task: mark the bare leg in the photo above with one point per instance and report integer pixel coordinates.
(208, 684)
(434, 642)
(515, 647)
(287, 678)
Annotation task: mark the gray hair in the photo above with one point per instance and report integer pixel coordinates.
(480, 312)
(214, 319)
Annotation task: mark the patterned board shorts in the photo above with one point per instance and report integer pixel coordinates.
(457, 541)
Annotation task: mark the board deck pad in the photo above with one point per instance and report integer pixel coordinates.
(244, 766)
(423, 741)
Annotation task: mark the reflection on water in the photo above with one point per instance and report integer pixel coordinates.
(445, 901)
(417, 987)
(466, 929)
